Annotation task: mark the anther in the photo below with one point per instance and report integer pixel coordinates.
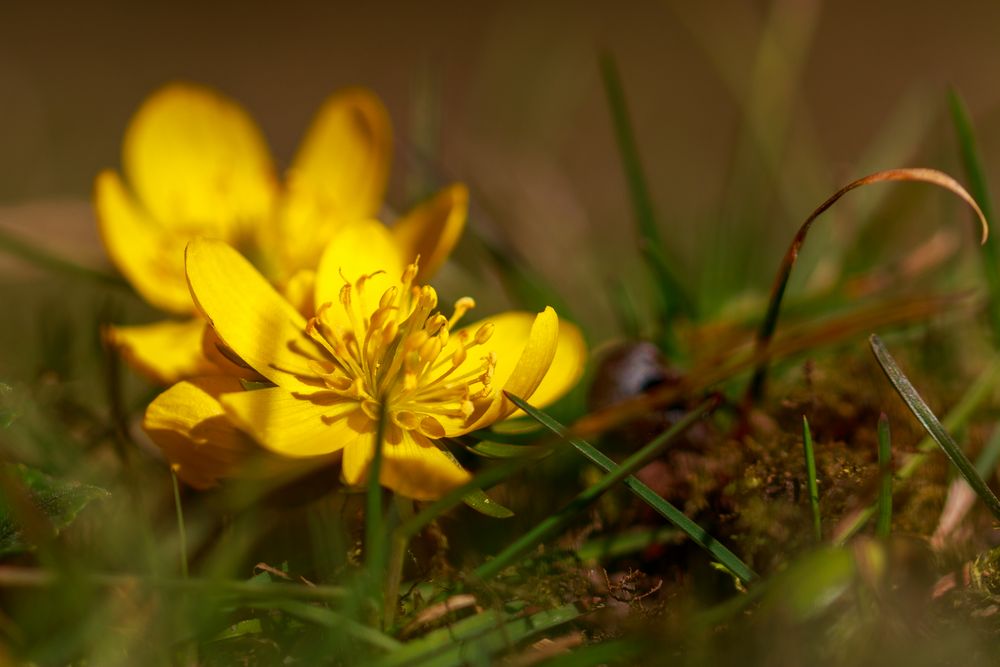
(484, 333)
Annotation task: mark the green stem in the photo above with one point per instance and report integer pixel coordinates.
(181, 531)
(807, 445)
(374, 520)
(397, 553)
(884, 525)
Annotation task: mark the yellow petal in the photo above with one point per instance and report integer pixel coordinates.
(188, 424)
(361, 248)
(432, 228)
(292, 426)
(165, 352)
(338, 176)
(412, 465)
(345, 156)
(151, 258)
(224, 359)
(249, 315)
(199, 164)
(525, 346)
(567, 367)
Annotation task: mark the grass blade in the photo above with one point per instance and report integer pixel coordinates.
(807, 445)
(673, 298)
(884, 525)
(556, 522)
(980, 390)
(978, 186)
(665, 509)
(931, 424)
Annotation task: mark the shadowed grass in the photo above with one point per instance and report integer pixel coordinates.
(931, 424)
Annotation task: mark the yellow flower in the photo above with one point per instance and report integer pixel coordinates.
(196, 165)
(376, 346)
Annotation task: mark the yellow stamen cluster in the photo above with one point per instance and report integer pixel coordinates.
(401, 354)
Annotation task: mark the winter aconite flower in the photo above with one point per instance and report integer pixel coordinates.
(377, 348)
(196, 165)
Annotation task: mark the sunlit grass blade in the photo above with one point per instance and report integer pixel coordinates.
(558, 521)
(979, 187)
(673, 298)
(884, 524)
(807, 446)
(477, 639)
(766, 331)
(931, 424)
(664, 508)
(974, 397)
(326, 618)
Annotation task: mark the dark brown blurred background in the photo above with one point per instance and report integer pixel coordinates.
(799, 94)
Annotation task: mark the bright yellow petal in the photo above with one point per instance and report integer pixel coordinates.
(199, 164)
(432, 229)
(248, 314)
(567, 366)
(292, 426)
(412, 465)
(338, 176)
(361, 248)
(165, 352)
(345, 156)
(151, 258)
(188, 424)
(525, 346)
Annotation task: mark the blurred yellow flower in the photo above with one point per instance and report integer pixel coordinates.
(196, 165)
(376, 345)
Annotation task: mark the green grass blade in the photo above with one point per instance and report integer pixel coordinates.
(931, 424)
(664, 508)
(884, 525)
(181, 531)
(973, 398)
(673, 298)
(807, 446)
(558, 521)
(481, 636)
(979, 189)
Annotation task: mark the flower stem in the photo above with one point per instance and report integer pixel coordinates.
(397, 553)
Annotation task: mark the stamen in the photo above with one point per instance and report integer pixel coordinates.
(462, 306)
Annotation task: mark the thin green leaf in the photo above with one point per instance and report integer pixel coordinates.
(620, 544)
(501, 450)
(673, 298)
(931, 424)
(482, 503)
(665, 509)
(979, 188)
(57, 501)
(971, 400)
(884, 525)
(477, 639)
(326, 618)
(807, 445)
(15, 246)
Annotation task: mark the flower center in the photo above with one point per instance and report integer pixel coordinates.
(401, 355)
